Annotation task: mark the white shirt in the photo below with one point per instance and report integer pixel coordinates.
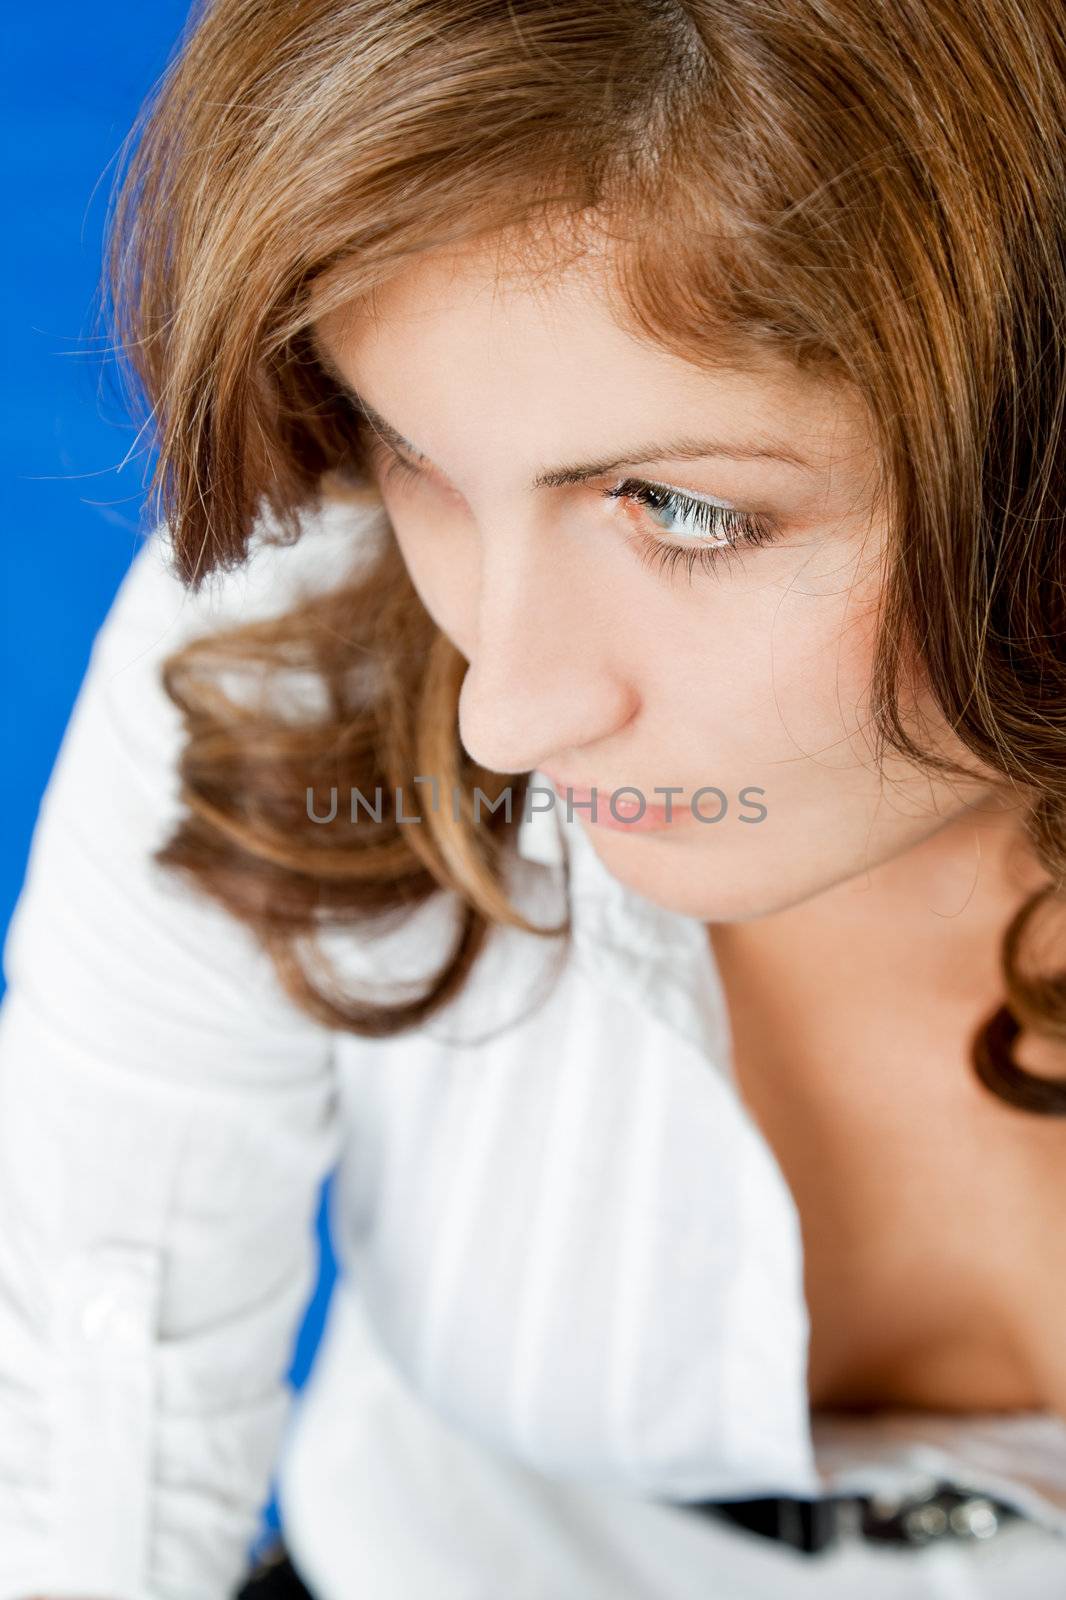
(571, 1276)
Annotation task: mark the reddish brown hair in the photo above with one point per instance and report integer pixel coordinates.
(875, 191)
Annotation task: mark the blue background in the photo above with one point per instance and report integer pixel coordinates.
(75, 76)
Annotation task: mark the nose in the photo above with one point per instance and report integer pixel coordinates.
(548, 671)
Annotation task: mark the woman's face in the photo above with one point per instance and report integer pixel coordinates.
(596, 651)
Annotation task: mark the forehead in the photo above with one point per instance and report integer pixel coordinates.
(485, 318)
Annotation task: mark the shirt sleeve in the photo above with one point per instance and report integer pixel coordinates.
(167, 1116)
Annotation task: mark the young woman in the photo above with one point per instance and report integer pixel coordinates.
(564, 410)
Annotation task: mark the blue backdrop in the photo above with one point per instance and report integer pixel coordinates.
(75, 77)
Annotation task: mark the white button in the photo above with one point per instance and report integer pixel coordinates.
(107, 1315)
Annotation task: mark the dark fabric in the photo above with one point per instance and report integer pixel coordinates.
(275, 1578)
(804, 1524)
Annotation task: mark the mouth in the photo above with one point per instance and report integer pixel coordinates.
(622, 808)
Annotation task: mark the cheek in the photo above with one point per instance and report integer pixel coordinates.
(820, 659)
(836, 671)
(766, 674)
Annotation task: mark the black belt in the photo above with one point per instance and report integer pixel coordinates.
(932, 1513)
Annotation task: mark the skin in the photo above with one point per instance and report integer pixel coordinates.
(586, 661)
(860, 885)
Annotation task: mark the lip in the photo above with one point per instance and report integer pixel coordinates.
(653, 819)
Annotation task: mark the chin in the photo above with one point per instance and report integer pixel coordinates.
(718, 889)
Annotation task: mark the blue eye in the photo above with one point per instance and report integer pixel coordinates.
(719, 530)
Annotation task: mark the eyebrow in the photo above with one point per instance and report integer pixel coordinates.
(686, 448)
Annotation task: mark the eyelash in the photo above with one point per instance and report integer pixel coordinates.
(739, 529)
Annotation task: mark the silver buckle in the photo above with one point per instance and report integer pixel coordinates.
(935, 1511)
